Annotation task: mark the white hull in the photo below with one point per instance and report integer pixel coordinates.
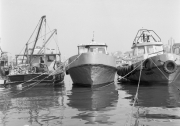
(92, 69)
(92, 75)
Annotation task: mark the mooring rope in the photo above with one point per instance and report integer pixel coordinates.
(136, 96)
(35, 83)
(164, 74)
(26, 82)
(72, 61)
(132, 70)
(31, 79)
(56, 71)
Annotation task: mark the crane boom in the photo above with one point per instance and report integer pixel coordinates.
(42, 18)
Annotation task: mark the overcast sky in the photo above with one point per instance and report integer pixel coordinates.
(115, 22)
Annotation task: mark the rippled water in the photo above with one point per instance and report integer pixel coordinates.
(158, 105)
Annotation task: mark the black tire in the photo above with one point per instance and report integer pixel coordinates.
(170, 66)
(147, 64)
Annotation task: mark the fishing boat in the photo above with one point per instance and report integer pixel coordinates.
(150, 61)
(4, 66)
(4, 63)
(92, 66)
(37, 64)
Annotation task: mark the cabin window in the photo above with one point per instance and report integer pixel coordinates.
(150, 49)
(51, 58)
(158, 48)
(92, 49)
(101, 50)
(82, 50)
(135, 52)
(2, 63)
(177, 51)
(141, 50)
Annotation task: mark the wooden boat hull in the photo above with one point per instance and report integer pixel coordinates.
(157, 72)
(46, 79)
(92, 69)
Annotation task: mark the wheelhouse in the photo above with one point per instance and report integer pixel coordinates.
(147, 43)
(147, 49)
(93, 48)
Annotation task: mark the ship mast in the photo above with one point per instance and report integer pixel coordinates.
(42, 18)
(93, 37)
(45, 43)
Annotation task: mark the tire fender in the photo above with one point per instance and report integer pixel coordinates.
(171, 63)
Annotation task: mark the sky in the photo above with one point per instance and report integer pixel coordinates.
(114, 22)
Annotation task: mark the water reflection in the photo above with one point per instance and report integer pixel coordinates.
(69, 105)
(154, 95)
(157, 103)
(32, 107)
(92, 104)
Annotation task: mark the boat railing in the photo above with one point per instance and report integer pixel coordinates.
(145, 35)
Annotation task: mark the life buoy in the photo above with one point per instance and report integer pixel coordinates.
(170, 66)
(147, 64)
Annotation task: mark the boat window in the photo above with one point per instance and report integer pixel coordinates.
(141, 50)
(150, 49)
(101, 50)
(83, 50)
(92, 49)
(135, 52)
(158, 48)
(177, 50)
(2, 63)
(51, 58)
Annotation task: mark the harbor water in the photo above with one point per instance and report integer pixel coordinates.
(66, 105)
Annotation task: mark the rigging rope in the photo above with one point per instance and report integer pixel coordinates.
(55, 40)
(36, 83)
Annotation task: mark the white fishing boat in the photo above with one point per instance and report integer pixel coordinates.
(150, 61)
(92, 66)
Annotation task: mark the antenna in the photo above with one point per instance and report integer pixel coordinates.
(93, 37)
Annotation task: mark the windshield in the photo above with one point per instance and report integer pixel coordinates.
(150, 49)
(97, 49)
(158, 48)
(141, 50)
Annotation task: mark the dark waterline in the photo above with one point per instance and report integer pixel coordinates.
(158, 105)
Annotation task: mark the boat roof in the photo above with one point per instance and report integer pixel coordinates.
(93, 43)
(146, 37)
(38, 54)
